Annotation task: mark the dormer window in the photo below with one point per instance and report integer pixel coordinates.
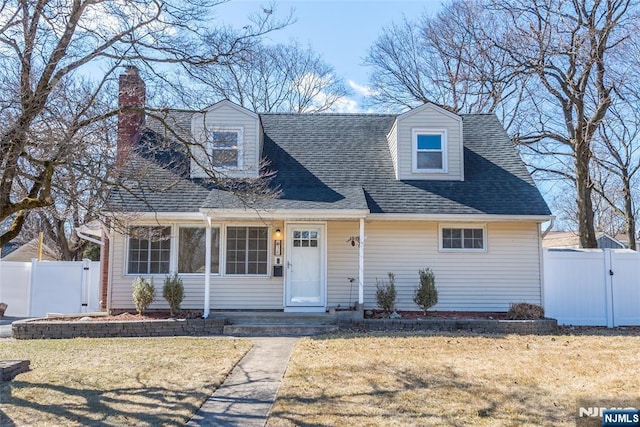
(226, 147)
(429, 150)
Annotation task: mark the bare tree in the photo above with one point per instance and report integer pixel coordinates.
(446, 59)
(47, 45)
(618, 156)
(272, 78)
(568, 47)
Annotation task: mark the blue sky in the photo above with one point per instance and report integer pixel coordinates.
(340, 31)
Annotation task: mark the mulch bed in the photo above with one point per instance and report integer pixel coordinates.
(455, 315)
(128, 317)
(369, 314)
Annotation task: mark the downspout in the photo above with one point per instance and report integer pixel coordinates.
(207, 270)
(541, 255)
(361, 266)
(548, 229)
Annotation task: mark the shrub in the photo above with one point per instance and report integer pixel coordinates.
(173, 292)
(525, 311)
(386, 293)
(143, 294)
(426, 295)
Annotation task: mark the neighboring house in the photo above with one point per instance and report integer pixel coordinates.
(25, 252)
(571, 240)
(361, 195)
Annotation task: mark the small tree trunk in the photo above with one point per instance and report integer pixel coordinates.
(584, 187)
(629, 215)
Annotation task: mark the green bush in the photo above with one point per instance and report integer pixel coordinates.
(386, 293)
(173, 292)
(426, 295)
(525, 311)
(143, 294)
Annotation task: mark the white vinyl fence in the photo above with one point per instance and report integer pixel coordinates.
(33, 289)
(592, 287)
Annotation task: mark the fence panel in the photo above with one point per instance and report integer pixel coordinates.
(625, 284)
(575, 287)
(56, 287)
(33, 289)
(15, 287)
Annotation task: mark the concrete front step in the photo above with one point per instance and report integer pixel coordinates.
(278, 329)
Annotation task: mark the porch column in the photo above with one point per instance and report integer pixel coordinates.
(361, 265)
(207, 269)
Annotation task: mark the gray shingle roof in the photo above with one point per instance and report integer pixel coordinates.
(342, 161)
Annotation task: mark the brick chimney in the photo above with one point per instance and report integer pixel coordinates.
(131, 102)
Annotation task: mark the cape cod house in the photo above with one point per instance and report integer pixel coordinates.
(359, 195)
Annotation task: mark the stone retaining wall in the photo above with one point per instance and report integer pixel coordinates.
(543, 326)
(34, 329)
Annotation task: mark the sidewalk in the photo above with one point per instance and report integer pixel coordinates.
(246, 396)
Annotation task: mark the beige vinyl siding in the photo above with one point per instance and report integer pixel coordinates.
(227, 292)
(342, 263)
(508, 272)
(429, 117)
(224, 115)
(392, 140)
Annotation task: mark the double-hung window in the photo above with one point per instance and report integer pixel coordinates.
(247, 250)
(192, 250)
(429, 150)
(149, 250)
(225, 145)
(463, 238)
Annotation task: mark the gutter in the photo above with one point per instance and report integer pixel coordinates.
(89, 239)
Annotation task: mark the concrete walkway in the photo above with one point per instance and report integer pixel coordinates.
(246, 396)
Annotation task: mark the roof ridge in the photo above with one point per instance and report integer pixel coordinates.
(328, 114)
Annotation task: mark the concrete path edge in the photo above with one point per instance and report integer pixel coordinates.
(246, 396)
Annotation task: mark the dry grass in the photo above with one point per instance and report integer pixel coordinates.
(453, 380)
(125, 381)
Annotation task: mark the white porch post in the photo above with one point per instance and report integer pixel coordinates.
(207, 270)
(361, 265)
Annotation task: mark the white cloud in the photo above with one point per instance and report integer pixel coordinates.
(362, 90)
(345, 104)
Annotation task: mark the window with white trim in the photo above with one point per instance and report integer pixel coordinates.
(226, 147)
(192, 250)
(247, 250)
(463, 238)
(149, 250)
(429, 150)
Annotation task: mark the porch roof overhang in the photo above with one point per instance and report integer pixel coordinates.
(335, 214)
(289, 214)
(459, 217)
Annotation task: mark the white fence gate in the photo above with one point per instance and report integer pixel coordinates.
(33, 289)
(592, 287)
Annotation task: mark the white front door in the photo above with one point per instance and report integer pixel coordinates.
(305, 288)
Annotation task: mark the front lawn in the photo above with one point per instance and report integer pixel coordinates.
(119, 381)
(457, 380)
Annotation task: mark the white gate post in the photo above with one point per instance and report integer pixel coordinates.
(86, 283)
(608, 287)
(32, 280)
